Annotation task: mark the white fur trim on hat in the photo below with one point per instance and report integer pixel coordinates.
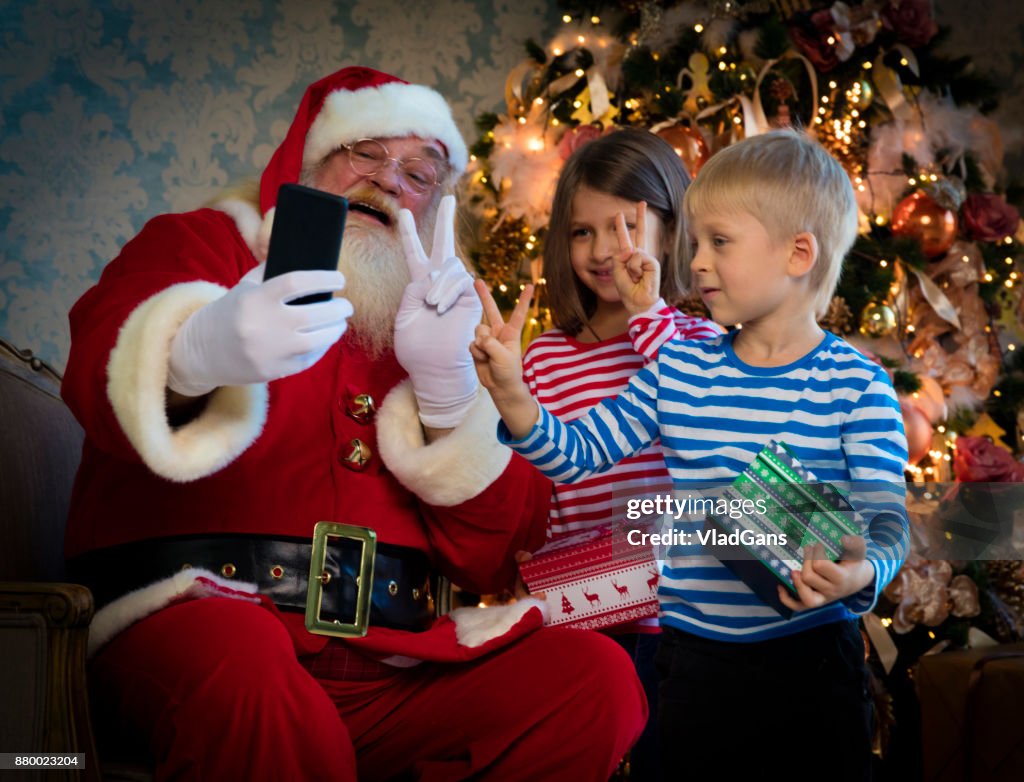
(449, 470)
(390, 110)
(137, 386)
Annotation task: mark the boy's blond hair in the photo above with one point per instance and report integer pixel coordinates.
(790, 184)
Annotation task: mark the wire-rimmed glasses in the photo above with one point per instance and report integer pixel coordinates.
(367, 156)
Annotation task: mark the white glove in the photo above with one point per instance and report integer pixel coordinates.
(251, 335)
(436, 322)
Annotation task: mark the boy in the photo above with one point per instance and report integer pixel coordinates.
(743, 688)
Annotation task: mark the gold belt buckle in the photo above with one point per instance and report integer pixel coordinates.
(319, 577)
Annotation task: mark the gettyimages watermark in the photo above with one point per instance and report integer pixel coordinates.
(955, 521)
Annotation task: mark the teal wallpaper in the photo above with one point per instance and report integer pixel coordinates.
(112, 112)
(116, 111)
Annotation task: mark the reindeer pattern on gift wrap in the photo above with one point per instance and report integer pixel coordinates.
(652, 582)
(622, 590)
(593, 599)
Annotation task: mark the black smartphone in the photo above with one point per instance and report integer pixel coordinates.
(308, 226)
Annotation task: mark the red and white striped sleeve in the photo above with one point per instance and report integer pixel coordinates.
(649, 330)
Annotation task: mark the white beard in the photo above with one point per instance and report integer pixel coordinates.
(375, 279)
(376, 273)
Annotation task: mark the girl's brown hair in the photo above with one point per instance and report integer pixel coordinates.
(632, 164)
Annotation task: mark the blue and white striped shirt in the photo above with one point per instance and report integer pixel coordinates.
(835, 410)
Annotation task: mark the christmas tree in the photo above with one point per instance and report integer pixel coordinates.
(932, 287)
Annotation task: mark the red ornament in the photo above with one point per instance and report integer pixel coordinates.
(918, 430)
(689, 144)
(920, 217)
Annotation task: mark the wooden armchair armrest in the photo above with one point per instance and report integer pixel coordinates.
(44, 628)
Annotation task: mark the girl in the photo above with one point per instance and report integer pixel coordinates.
(629, 180)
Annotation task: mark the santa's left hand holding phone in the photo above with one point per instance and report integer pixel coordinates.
(252, 335)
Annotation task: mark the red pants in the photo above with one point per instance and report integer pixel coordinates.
(217, 687)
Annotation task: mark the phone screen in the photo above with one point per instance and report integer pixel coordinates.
(307, 233)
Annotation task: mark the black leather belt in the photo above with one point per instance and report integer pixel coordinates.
(400, 596)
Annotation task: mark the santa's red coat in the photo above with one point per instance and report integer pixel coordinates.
(268, 459)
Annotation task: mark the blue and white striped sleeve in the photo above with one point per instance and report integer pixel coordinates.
(875, 447)
(611, 431)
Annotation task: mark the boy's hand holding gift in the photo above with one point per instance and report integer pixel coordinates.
(497, 356)
(636, 272)
(823, 581)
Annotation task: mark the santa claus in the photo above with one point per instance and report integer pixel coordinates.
(223, 423)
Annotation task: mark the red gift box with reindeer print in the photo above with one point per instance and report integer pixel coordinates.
(594, 579)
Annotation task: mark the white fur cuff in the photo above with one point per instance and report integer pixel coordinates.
(193, 583)
(450, 470)
(476, 626)
(136, 385)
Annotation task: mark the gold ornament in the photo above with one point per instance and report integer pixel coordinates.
(838, 319)
(918, 216)
(537, 322)
(877, 320)
(503, 251)
(699, 94)
(985, 426)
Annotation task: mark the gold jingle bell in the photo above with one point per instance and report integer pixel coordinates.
(358, 457)
(361, 408)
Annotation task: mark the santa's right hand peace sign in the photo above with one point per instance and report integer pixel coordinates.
(436, 320)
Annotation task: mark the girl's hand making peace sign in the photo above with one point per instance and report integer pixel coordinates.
(636, 272)
(496, 351)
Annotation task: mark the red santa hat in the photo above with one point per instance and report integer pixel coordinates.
(357, 103)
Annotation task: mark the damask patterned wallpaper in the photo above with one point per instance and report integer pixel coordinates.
(116, 111)
(119, 110)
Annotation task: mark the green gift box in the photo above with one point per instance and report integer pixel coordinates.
(777, 507)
